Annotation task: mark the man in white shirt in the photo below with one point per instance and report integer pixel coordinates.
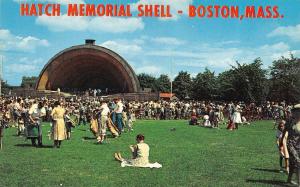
(102, 120)
(119, 110)
(36, 112)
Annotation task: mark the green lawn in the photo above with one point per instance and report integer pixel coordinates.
(190, 155)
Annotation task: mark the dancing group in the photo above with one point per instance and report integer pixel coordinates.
(27, 116)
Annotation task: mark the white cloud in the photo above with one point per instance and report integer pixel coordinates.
(152, 70)
(26, 60)
(212, 56)
(293, 32)
(281, 46)
(230, 42)
(105, 24)
(122, 47)
(285, 54)
(8, 41)
(24, 66)
(174, 4)
(168, 41)
(196, 64)
(63, 23)
(21, 68)
(173, 53)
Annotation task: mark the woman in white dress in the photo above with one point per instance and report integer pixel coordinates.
(236, 117)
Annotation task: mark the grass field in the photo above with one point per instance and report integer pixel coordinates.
(190, 155)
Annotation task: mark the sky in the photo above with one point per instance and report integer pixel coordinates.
(150, 45)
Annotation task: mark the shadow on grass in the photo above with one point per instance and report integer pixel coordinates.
(29, 145)
(267, 170)
(88, 138)
(23, 145)
(21, 135)
(269, 182)
(81, 129)
(109, 136)
(46, 146)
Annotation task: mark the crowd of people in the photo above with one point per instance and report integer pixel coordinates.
(214, 114)
(117, 116)
(89, 92)
(28, 114)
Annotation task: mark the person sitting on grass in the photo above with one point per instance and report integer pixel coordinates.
(230, 125)
(193, 120)
(206, 122)
(140, 155)
(244, 121)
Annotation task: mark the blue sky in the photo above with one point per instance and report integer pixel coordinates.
(150, 45)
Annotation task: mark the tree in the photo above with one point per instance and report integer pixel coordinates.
(182, 85)
(147, 81)
(226, 88)
(251, 81)
(244, 82)
(285, 79)
(205, 86)
(163, 83)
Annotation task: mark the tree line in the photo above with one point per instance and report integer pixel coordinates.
(242, 82)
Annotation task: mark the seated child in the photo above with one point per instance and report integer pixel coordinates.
(206, 122)
(194, 120)
(230, 125)
(244, 121)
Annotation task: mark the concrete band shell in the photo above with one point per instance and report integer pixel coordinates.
(88, 66)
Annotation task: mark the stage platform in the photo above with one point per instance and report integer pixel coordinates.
(139, 96)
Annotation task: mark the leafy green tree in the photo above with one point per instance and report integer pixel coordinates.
(147, 81)
(205, 86)
(163, 83)
(182, 85)
(251, 81)
(285, 80)
(244, 82)
(226, 88)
